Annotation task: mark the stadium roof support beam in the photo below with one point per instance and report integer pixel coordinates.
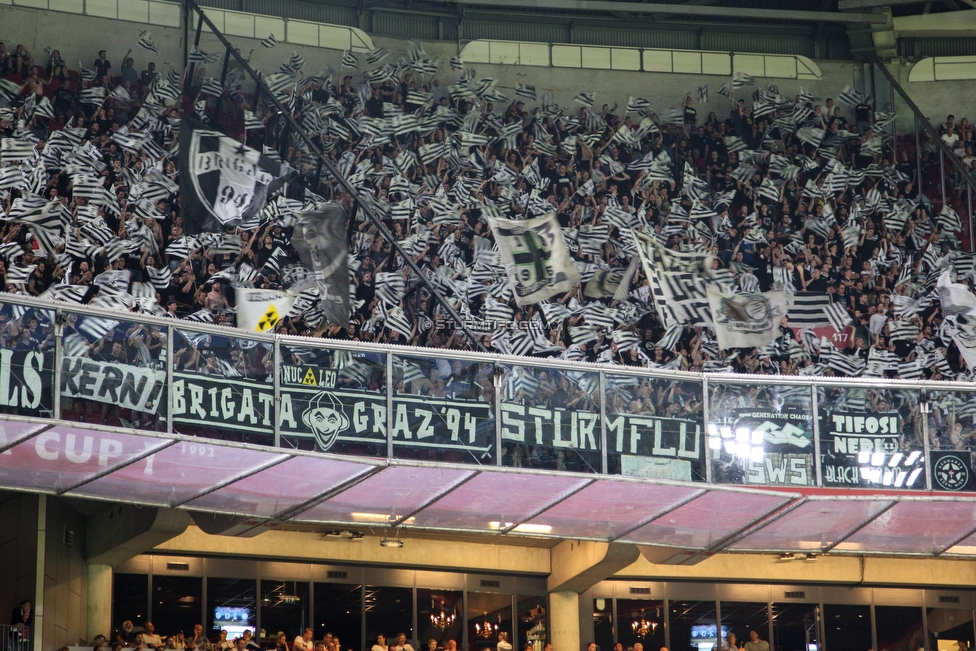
(681, 10)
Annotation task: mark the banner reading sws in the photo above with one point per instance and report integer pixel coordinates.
(787, 448)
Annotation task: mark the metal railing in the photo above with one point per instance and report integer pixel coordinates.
(14, 638)
(962, 176)
(77, 363)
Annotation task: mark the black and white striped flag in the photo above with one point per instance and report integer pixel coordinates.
(197, 55)
(93, 96)
(807, 310)
(375, 56)
(838, 316)
(849, 96)
(14, 150)
(456, 63)
(703, 94)
(525, 91)
(269, 42)
(146, 43)
(349, 60)
(586, 99)
(740, 79)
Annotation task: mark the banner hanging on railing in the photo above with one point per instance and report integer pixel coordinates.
(123, 385)
(868, 449)
(25, 380)
(767, 447)
(312, 409)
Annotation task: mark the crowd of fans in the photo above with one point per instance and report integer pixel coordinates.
(794, 192)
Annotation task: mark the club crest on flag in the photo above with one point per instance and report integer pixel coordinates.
(753, 313)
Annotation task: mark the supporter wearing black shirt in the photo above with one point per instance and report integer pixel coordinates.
(374, 105)
(64, 101)
(102, 67)
(862, 115)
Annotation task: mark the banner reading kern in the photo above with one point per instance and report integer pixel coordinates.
(124, 385)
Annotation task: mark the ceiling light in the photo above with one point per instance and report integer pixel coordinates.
(391, 542)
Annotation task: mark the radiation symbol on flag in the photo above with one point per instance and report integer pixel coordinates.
(310, 378)
(269, 319)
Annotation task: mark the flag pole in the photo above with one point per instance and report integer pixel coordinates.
(343, 182)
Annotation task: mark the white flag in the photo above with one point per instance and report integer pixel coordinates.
(535, 256)
(747, 320)
(260, 310)
(956, 298)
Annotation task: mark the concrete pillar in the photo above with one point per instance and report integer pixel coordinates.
(564, 620)
(37, 624)
(99, 600)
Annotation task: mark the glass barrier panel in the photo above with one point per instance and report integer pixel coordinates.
(870, 438)
(654, 428)
(640, 620)
(489, 621)
(899, 627)
(796, 627)
(333, 400)
(760, 435)
(951, 430)
(284, 607)
(26, 361)
(741, 617)
(693, 625)
(550, 419)
(948, 627)
(176, 602)
(113, 373)
(846, 627)
(439, 617)
(231, 606)
(603, 624)
(223, 387)
(338, 610)
(443, 410)
(389, 611)
(531, 622)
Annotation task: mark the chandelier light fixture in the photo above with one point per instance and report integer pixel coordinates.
(485, 629)
(642, 627)
(442, 620)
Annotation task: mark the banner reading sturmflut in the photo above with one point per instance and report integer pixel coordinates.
(747, 320)
(535, 257)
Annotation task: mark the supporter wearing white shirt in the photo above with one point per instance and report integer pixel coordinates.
(950, 137)
(401, 644)
(149, 636)
(380, 643)
(303, 642)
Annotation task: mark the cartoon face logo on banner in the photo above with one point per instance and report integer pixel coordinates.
(326, 418)
(951, 473)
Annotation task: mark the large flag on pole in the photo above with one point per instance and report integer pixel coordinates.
(320, 240)
(222, 182)
(535, 256)
(747, 320)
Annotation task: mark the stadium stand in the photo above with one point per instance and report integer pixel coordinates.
(785, 190)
